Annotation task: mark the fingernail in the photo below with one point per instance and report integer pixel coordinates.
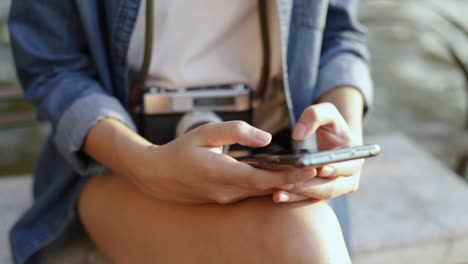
(262, 137)
(299, 131)
(218, 150)
(327, 171)
(287, 187)
(283, 197)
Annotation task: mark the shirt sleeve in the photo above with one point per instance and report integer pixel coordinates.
(57, 74)
(344, 59)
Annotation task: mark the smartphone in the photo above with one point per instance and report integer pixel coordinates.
(310, 159)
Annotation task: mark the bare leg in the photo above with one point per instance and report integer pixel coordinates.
(131, 227)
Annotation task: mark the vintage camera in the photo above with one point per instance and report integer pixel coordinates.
(167, 114)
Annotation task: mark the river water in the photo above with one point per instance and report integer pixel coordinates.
(419, 90)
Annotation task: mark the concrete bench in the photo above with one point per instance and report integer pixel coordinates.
(410, 208)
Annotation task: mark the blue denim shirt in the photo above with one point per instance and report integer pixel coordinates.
(71, 59)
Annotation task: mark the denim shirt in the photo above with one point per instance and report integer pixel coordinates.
(71, 59)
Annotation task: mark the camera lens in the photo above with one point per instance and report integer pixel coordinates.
(195, 119)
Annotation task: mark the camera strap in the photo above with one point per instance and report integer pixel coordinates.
(265, 36)
(138, 86)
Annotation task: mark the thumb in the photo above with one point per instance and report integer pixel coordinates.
(228, 133)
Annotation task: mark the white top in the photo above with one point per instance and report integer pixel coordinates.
(211, 42)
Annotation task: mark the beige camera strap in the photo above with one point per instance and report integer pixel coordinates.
(138, 87)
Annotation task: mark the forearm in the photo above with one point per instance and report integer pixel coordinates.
(116, 146)
(350, 103)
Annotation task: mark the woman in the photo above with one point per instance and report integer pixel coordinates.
(181, 202)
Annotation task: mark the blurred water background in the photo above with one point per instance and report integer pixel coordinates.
(420, 89)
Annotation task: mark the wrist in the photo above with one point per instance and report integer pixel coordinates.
(135, 154)
(116, 146)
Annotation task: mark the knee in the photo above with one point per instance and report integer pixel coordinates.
(304, 233)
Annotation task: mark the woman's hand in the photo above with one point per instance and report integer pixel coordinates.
(332, 180)
(186, 170)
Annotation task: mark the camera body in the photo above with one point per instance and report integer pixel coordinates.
(166, 114)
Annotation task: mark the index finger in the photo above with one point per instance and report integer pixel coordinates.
(344, 168)
(227, 133)
(319, 115)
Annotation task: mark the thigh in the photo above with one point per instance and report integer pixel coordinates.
(131, 227)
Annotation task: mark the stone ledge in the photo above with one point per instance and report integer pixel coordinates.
(409, 209)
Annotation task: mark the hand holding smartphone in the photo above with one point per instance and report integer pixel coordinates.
(310, 159)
